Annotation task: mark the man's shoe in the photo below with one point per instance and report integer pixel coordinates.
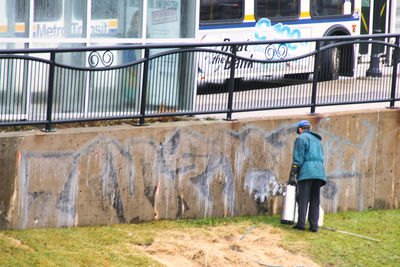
(297, 227)
(314, 230)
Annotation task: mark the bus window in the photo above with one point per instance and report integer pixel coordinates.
(216, 11)
(104, 9)
(47, 10)
(44, 10)
(277, 9)
(323, 8)
(104, 18)
(19, 11)
(12, 18)
(101, 9)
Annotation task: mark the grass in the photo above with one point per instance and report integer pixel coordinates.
(77, 246)
(113, 245)
(332, 248)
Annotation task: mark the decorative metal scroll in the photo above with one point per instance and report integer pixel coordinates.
(276, 50)
(106, 59)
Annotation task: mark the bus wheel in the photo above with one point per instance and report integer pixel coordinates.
(330, 64)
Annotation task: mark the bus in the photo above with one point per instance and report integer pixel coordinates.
(263, 20)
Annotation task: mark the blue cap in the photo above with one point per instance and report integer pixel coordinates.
(303, 123)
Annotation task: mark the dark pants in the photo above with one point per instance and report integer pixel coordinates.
(308, 192)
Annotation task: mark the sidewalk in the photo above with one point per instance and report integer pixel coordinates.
(298, 111)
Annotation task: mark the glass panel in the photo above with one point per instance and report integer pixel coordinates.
(365, 19)
(47, 10)
(171, 19)
(397, 21)
(134, 19)
(58, 19)
(104, 9)
(221, 10)
(105, 18)
(12, 16)
(14, 77)
(331, 7)
(19, 10)
(277, 9)
(113, 91)
(13, 45)
(130, 55)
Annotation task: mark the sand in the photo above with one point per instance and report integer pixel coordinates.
(223, 246)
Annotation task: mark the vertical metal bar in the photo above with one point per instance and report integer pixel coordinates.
(144, 87)
(50, 92)
(394, 73)
(121, 93)
(231, 83)
(56, 97)
(3, 84)
(70, 85)
(42, 97)
(62, 97)
(315, 77)
(12, 81)
(74, 112)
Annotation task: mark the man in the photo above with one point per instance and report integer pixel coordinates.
(308, 165)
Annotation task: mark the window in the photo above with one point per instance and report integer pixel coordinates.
(104, 9)
(323, 8)
(397, 20)
(20, 11)
(44, 10)
(101, 9)
(214, 11)
(170, 19)
(277, 9)
(47, 10)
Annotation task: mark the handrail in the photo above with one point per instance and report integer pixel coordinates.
(35, 90)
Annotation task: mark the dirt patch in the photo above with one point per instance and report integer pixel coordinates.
(15, 242)
(223, 246)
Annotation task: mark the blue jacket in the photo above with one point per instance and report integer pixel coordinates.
(308, 156)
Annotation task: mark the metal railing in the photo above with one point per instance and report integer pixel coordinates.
(50, 86)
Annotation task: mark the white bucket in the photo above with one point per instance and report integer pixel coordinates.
(288, 204)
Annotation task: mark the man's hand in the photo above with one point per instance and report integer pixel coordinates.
(293, 173)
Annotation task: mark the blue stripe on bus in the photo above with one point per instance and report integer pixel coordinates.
(252, 24)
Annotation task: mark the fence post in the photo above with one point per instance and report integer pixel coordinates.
(231, 83)
(144, 87)
(315, 76)
(394, 73)
(374, 68)
(50, 93)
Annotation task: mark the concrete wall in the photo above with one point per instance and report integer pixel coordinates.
(126, 174)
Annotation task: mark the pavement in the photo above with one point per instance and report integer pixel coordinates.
(298, 111)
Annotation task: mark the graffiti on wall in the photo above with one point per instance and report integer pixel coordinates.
(186, 175)
(346, 156)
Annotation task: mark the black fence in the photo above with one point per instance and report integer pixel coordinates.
(50, 86)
